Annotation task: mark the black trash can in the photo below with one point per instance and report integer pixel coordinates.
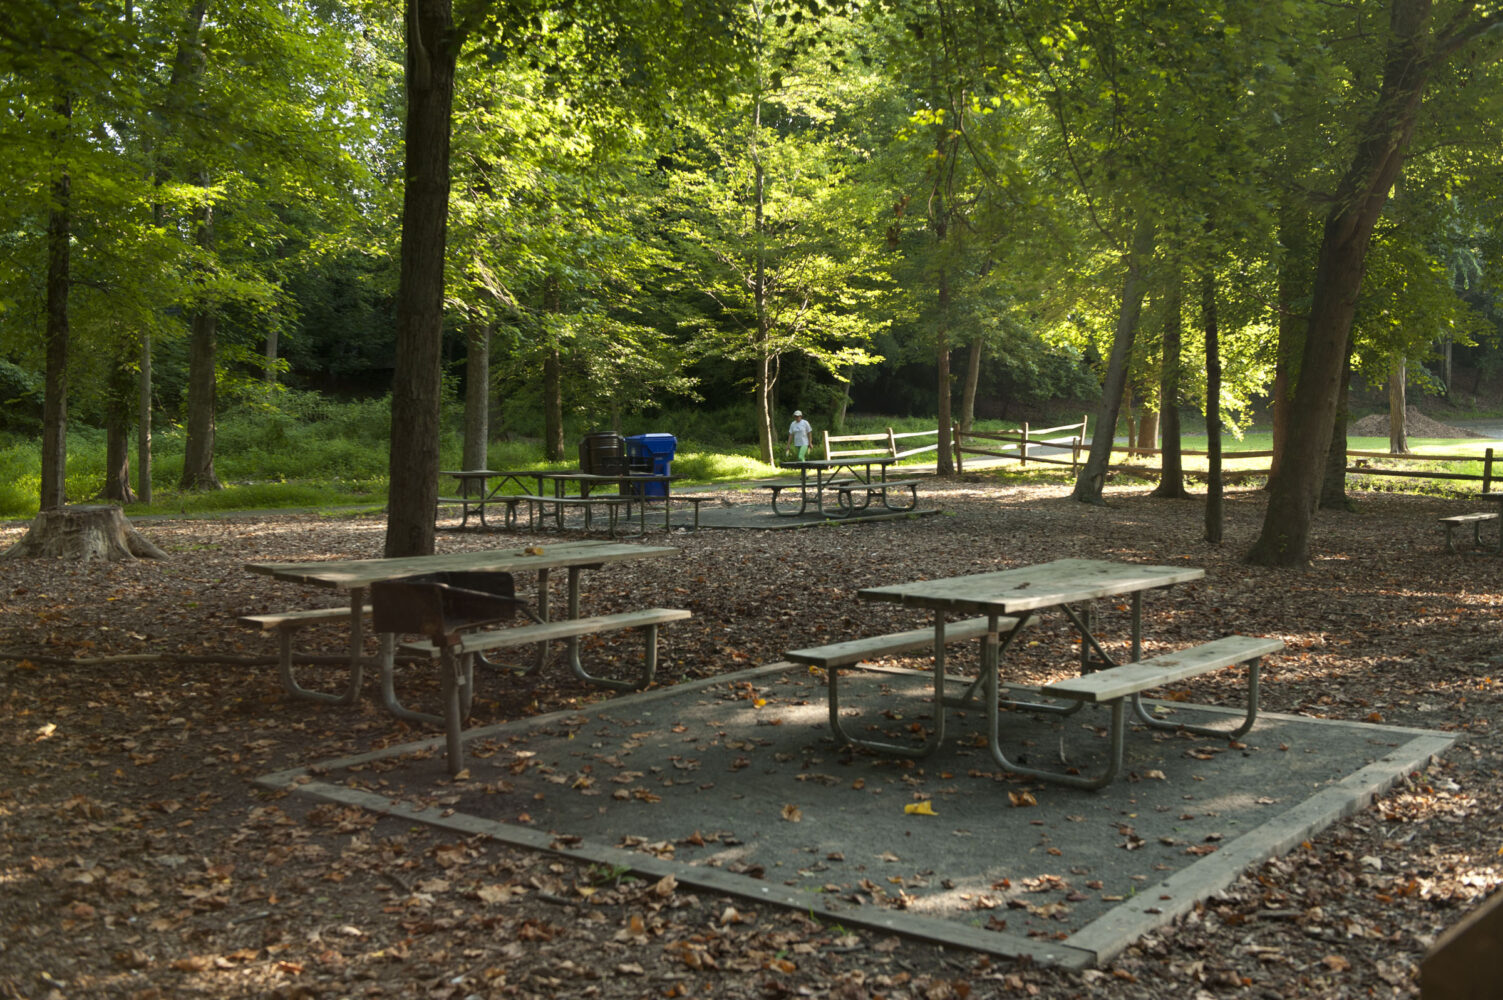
(602, 454)
(652, 453)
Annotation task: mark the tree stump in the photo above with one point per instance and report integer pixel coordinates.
(83, 532)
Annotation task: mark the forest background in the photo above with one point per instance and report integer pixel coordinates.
(693, 216)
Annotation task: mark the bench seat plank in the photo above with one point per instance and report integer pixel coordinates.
(854, 652)
(1134, 678)
(287, 622)
(565, 628)
(308, 616)
(841, 654)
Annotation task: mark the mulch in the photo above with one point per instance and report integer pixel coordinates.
(139, 860)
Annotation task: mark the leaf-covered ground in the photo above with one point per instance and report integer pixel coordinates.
(139, 860)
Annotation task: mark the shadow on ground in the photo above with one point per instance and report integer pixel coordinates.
(734, 785)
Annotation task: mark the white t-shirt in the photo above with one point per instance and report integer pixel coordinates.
(800, 430)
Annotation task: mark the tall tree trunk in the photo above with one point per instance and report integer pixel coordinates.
(1333, 479)
(54, 491)
(117, 434)
(1291, 330)
(203, 351)
(1398, 406)
(553, 404)
(1092, 478)
(477, 394)
(945, 458)
(1359, 201)
(766, 364)
(143, 422)
(972, 380)
(554, 447)
(432, 49)
(1171, 461)
(1148, 427)
(198, 444)
(269, 355)
(1208, 319)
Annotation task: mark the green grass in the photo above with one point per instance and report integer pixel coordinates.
(307, 452)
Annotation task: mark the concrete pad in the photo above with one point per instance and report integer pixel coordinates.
(734, 785)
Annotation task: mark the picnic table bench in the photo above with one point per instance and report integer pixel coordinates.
(1458, 520)
(360, 578)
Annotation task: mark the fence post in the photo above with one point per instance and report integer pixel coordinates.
(1487, 472)
(1079, 440)
(955, 446)
(827, 444)
(1023, 446)
(892, 444)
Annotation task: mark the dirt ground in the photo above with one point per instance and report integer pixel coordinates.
(137, 858)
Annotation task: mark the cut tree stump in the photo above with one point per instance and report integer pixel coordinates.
(98, 531)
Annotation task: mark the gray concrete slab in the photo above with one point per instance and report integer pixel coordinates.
(734, 786)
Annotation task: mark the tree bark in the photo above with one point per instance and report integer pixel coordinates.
(1398, 404)
(477, 395)
(83, 532)
(1359, 201)
(59, 282)
(117, 435)
(1092, 478)
(1291, 331)
(972, 380)
(553, 404)
(1333, 480)
(143, 422)
(1171, 460)
(432, 49)
(1208, 319)
(198, 445)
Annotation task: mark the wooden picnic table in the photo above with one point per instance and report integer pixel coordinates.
(476, 493)
(827, 474)
(354, 577)
(1009, 599)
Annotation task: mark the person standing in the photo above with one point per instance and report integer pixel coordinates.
(799, 435)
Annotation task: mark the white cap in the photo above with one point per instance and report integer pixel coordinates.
(798, 413)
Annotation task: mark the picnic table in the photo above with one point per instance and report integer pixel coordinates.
(1007, 600)
(354, 577)
(476, 493)
(854, 487)
(630, 489)
(547, 494)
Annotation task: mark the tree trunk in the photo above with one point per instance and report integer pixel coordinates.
(1333, 480)
(83, 532)
(477, 395)
(59, 282)
(553, 404)
(767, 437)
(1171, 461)
(968, 393)
(945, 458)
(269, 354)
(1358, 202)
(1291, 332)
(432, 49)
(1092, 478)
(198, 445)
(117, 436)
(1208, 318)
(1398, 433)
(1148, 427)
(143, 422)
(203, 351)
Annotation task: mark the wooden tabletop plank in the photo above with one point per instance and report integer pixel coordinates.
(1064, 581)
(345, 574)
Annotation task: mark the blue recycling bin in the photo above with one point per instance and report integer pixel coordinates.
(651, 453)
